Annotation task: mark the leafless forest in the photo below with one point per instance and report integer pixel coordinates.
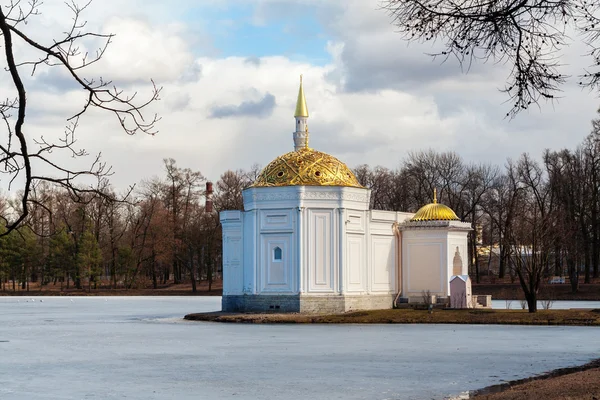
(534, 217)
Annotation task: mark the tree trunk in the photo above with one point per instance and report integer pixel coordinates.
(573, 274)
(191, 269)
(502, 260)
(154, 280)
(595, 254)
(530, 288)
(113, 266)
(532, 303)
(165, 276)
(193, 277)
(595, 226)
(209, 274)
(558, 270)
(587, 257)
(176, 272)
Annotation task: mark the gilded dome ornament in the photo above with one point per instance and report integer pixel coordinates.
(435, 212)
(306, 167)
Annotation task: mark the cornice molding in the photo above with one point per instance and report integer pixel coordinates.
(359, 195)
(449, 225)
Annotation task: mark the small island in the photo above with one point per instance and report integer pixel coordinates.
(571, 317)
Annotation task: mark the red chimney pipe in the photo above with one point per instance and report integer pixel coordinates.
(209, 193)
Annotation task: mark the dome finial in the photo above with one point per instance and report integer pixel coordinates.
(301, 116)
(301, 108)
(434, 195)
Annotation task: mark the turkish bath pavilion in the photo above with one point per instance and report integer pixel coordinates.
(307, 241)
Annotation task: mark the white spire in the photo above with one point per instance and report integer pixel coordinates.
(301, 116)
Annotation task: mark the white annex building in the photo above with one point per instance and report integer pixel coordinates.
(307, 241)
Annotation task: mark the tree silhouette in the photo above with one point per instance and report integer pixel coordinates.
(26, 159)
(527, 35)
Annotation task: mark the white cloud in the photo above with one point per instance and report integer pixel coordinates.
(377, 100)
(140, 52)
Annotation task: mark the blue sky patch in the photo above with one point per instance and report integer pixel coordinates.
(293, 32)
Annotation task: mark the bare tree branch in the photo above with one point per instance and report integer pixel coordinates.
(65, 53)
(527, 35)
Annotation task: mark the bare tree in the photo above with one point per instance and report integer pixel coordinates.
(501, 203)
(228, 194)
(570, 189)
(26, 159)
(532, 234)
(180, 191)
(591, 152)
(527, 35)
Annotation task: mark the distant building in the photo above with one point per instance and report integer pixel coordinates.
(307, 241)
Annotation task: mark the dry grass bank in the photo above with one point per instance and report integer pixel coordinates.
(577, 383)
(409, 316)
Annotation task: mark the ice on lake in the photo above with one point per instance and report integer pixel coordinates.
(141, 348)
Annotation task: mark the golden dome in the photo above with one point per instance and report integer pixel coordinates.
(435, 212)
(306, 167)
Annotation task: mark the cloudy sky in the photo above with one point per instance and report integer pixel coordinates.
(229, 72)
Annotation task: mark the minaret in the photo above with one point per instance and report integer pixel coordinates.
(301, 116)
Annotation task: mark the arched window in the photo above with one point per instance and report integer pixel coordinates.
(277, 254)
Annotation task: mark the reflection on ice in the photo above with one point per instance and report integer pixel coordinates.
(140, 348)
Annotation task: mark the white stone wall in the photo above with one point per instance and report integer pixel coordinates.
(323, 241)
(428, 256)
(382, 255)
(355, 280)
(308, 226)
(424, 261)
(233, 252)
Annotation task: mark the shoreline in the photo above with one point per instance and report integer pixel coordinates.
(570, 317)
(117, 292)
(578, 382)
(499, 291)
(182, 289)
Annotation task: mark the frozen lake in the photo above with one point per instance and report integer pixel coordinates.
(140, 348)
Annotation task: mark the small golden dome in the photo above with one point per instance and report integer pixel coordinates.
(435, 212)
(306, 167)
